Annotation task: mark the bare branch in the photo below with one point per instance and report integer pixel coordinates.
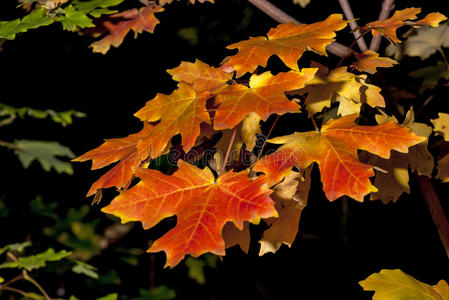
(346, 7)
(279, 15)
(387, 6)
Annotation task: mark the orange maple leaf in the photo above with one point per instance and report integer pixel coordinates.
(335, 151)
(202, 204)
(180, 112)
(136, 20)
(389, 26)
(287, 41)
(264, 96)
(369, 61)
(124, 150)
(202, 76)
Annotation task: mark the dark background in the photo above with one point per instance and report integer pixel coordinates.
(336, 247)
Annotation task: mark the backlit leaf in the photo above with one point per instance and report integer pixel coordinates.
(264, 96)
(135, 20)
(35, 19)
(369, 61)
(441, 125)
(202, 205)
(36, 261)
(335, 151)
(389, 26)
(180, 112)
(200, 75)
(395, 284)
(287, 41)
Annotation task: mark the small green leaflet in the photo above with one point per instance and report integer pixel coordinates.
(113, 296)
(96, 8)
(36, 261)
(395, 284)
(85, 269)
(196, 266)
(16, 247)
(45, 153)
(74, 19)
(35, 19)
(9, 113)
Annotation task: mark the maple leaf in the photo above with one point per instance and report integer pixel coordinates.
(443, 169)
(180, 112)
(202, 205)
(395, 284)
(389, 26)
(124, 150)
(441, 125)
(264, 96)
(287, 41)
(395, 181)
(432, 74)
(422, 43)
(202, 76)
(291, 198)
(234, 236)
(369, 61)
(136, 20)
(340, 85)
(334, 148)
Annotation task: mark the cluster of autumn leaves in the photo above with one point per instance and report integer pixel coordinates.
(208, 202)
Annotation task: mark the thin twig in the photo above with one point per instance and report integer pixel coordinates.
(440, 49)
(9, 145)
(277, 14)
(436, 211)
(314, 124)
(11, 289)
(346, 7)
(231, 142)
(387, 6)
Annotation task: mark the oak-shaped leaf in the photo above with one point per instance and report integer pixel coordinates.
(199, 74)
(202, 204)
(395, 284)
(37, 261)
(287, 41)
(180, 112)
(334, 148)
(137, 20)
(400, 18)
(349, 89)
(264, 96)
(121, 150)
(369, 61)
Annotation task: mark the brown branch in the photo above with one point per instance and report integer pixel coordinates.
(387, 6)
(277, 14)
(346, 7)
(437, 212)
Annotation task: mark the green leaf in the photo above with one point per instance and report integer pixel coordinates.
(74, 19)
(92, 5)
(85, 269)
(64, 118)
(432, 74)
(38, 207)
(45, 153)
(159, 293)
(395, 284)
(36, 261)
(113, 296)
(35, 19)
(196, 266)
(17, 247)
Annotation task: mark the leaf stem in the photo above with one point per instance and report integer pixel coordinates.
(36, 284)
(387, 6)
(279, 15)
(9, 145)
(440, 49)
(314, 124)
(231, 142)
(268, 135)
(436, 211)
(346, 7)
